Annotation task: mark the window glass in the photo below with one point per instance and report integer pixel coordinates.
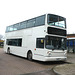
(7, 29)
(16, 26)
(55, 43)
(14, 42)
(56, 21)
(40, 43)
(9, 42)
(23, 24)
(40, 20)
(30, 23)
(52, 19)
(19, 42)
(61, 22)
(11, 28)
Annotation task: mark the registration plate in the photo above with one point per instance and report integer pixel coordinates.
(58, 58)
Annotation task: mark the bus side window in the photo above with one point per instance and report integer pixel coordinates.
(40, 20)
(14, 42)
(40, 43)
(9, 42)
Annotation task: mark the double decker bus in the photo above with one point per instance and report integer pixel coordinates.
(41, 38)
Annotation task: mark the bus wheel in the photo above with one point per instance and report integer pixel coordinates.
(8, 50)
(29, 55)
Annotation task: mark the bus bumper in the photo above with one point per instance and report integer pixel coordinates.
(55, 59)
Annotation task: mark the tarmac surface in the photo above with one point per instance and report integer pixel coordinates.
(62, 69)
(44, 72)
(14, 65)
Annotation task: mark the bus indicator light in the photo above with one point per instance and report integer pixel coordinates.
(35, 49)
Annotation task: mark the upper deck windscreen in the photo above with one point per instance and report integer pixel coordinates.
(55, 20)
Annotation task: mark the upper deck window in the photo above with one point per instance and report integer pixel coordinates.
(16, 26)
(56, 21)
(23, 24)
(30, 23)
(38, 21)
(10, 28)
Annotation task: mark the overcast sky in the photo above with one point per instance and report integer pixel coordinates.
(14, 11)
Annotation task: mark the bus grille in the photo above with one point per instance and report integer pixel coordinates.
(57, 54)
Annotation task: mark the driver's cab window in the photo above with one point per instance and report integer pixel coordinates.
(40, 43)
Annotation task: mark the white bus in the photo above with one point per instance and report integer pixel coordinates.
(41, 38)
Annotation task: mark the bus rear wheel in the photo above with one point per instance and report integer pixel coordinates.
(8, 50)
(29, 55)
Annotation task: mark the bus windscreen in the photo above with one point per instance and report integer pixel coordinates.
(57, 43)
